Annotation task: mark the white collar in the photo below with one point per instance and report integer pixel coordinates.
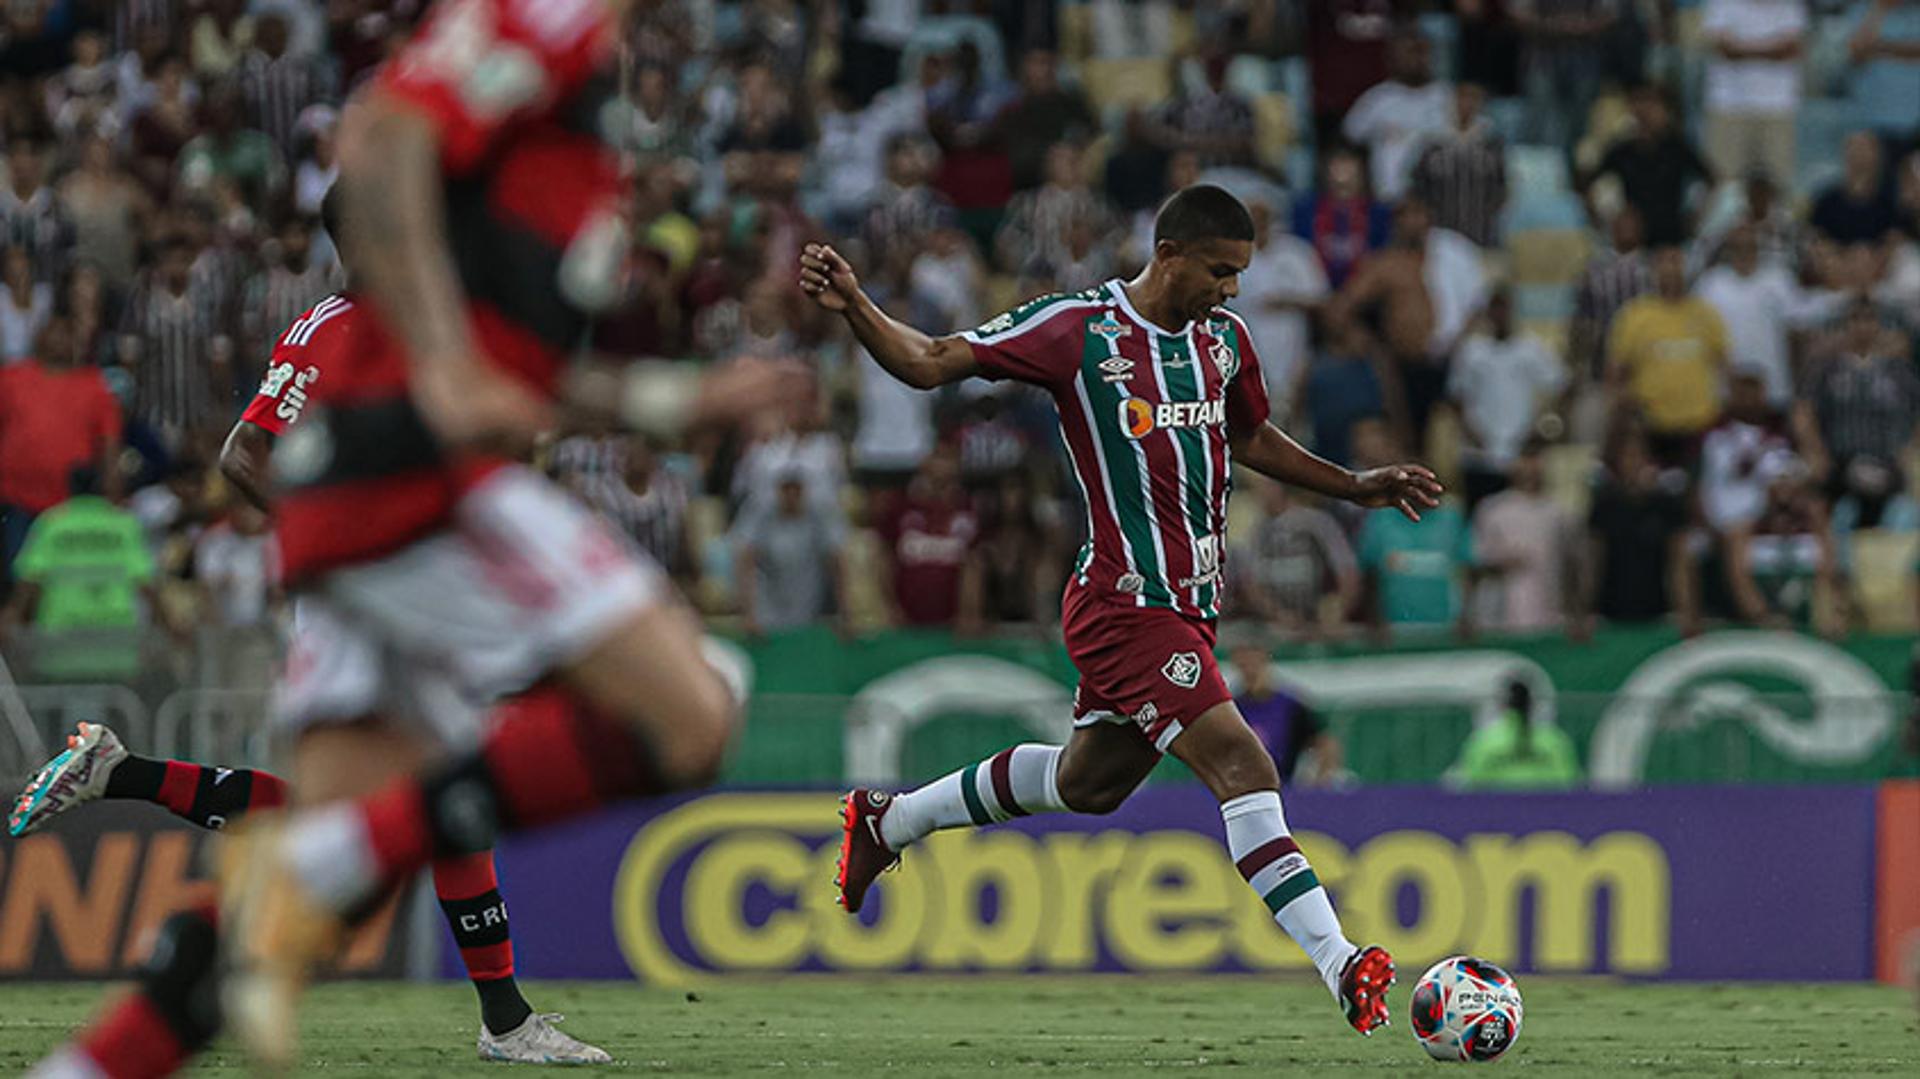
(1119, 289)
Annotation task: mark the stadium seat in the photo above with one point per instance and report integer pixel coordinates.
(1542, 302)
(1883, 578)
(1821, 133)
(1548, 256)
(1536, 170)
(1544, 210)
(1273, 129)
(1146, 82)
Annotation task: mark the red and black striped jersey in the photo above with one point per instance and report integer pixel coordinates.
(1146, 413)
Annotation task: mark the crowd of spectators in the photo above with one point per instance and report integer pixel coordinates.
(1594, 258)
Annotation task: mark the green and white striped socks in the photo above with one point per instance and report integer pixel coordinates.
(1271, 861)
(1012, 783)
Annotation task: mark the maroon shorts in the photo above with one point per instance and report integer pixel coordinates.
(1142, 665)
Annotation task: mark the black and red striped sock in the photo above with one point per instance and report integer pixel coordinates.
(173, 1012)
(470, 898)
(208, 796)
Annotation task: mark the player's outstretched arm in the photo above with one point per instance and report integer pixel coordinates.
(1269, 451)
(907, 354)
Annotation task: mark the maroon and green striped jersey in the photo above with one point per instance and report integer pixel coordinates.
(1146, 413)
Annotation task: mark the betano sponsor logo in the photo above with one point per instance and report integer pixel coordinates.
(732, 883)
(1140, 418)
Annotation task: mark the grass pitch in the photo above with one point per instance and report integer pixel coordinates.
(1055, 1025)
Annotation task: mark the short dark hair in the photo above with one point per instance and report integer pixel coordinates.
(1200, 213)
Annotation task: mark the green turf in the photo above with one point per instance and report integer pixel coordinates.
(1055, 1025)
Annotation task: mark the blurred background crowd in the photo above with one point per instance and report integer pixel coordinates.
(1640, 277)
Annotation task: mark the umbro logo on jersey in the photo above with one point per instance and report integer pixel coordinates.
(1140, 419)
(1110, 328)
(1116, 369)
(1183, 669)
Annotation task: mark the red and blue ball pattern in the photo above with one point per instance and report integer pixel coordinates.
(1466, 1009)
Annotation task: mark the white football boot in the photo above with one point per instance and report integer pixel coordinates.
(538, 1041)
(78, 774)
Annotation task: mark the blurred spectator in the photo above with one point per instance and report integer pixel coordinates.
(277, 84)
(31, 217)
(1753, 83)
(1561, 63)
(1341, 219)
(1136, 170)
(1280, 290)
(1885, 50)
(1667, 359)
(1124, 28)
(1777, 231)
(231, 154)
(1038, 229)
(173, 345)
(84, 95)
(1422, 292)
(1858, 412)
(1657, 168)
(1639, 567)
(1522, 750)
(221, 37)
(907, 208)
(1500, 384)
(790, 571)
(963, 115)
(1524, 544)
(1396, 118)
(945, 281)
(1296, 737)
(1416, 573)
(230, 566)
(315, 166)
(293, 280)
(1742, 456)
(1044, 115)
(928, 540)
(651, 119)
(1020, 557)
(1215, 124)
(1347, 382)
(991, 446)
(1463, 173)
(1854, 221)
(164, 122)
(1347, 40)
(1761, 305)
(108, 208)
(1293, 564)
(83, 303)
(1613, 278)
(762, 150)
(1489, 45)
(648, 503)
(25, 305)
(56, 415)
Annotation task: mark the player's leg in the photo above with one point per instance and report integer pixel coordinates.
(96, 765)
(1094, 772)
(1228, 757)
(172, 1012)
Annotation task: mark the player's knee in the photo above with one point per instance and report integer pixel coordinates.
(181, 976)
(703, 733)
(1094, 798)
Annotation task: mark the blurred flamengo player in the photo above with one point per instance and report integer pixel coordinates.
(96, 765)
(1160, 394)
(435, 574)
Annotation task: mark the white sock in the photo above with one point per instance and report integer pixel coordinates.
(1012, 783)
(67, 1062)
(1272, 863)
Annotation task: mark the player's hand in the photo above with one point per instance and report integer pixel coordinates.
(738, 390)
(470, 406)
(1407, 488)
(827, 277)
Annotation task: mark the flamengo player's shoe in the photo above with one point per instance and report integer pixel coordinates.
(78, 774)
(863, 854)
(537, 1041)
(1364, 982)
(274, 934)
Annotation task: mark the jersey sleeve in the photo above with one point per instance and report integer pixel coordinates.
(297, 363)
(1247, 404)
(478, 67)
(1035, 342)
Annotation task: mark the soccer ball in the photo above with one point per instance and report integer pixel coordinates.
(1466, 1009)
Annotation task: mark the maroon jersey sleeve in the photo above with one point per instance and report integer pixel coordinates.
(1247, 406)
(297, 363)
(1037, 342)
(478, 67)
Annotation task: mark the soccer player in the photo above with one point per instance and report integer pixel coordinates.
(95, 765)
(1160, 394)
(435, 574)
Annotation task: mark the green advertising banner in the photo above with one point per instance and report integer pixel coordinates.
(1644, 706)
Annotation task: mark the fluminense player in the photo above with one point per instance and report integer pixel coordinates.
(96, 765)
(1160, 394)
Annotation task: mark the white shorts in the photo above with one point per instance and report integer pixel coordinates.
(523, 580)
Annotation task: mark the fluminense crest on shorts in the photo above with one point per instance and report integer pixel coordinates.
(1183, 669)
